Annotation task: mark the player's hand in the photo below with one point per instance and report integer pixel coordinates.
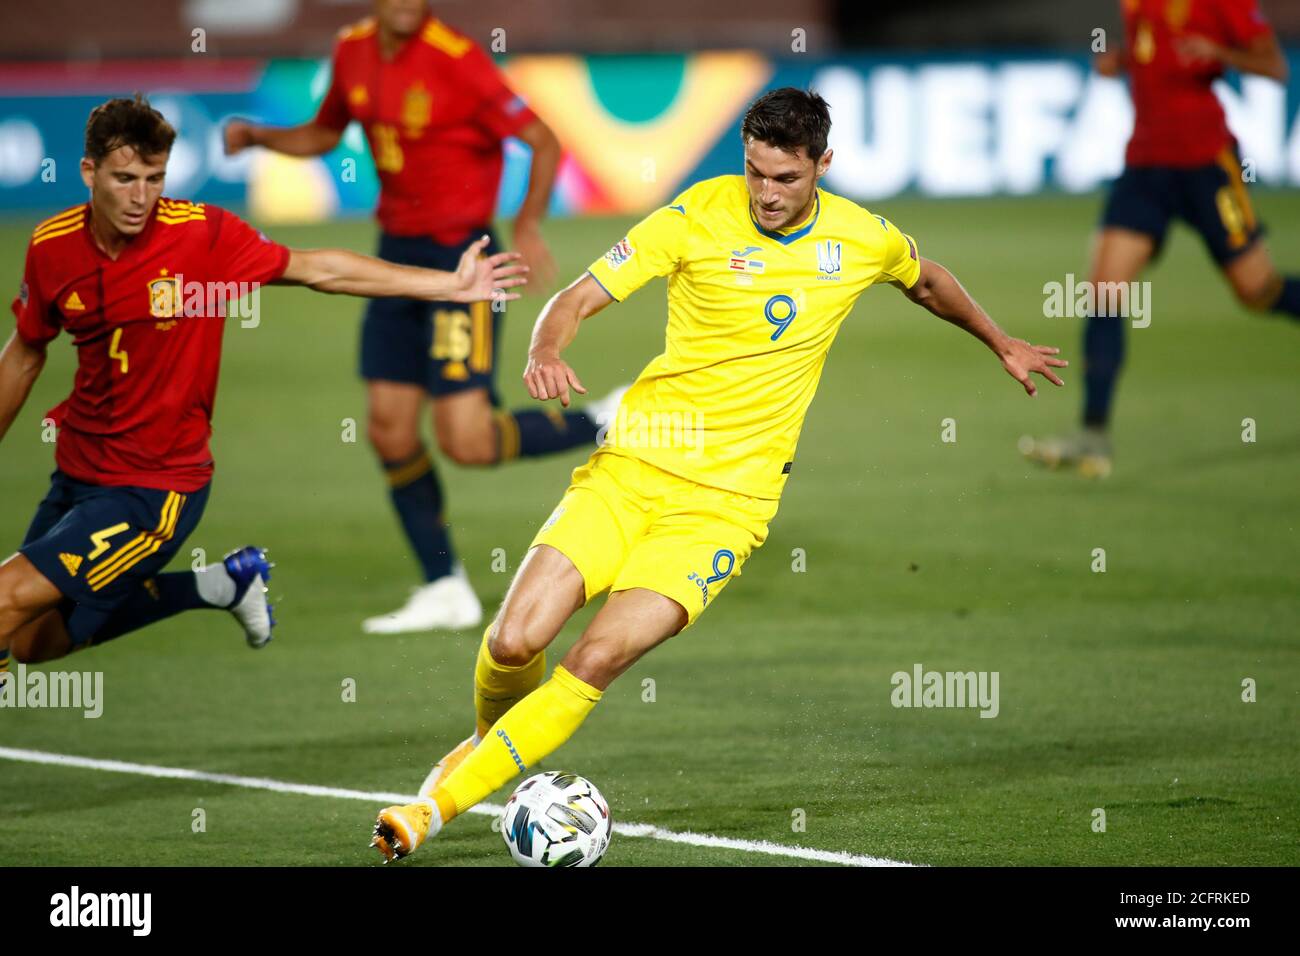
(549, 376)
(529, 241)
(480, 278)
(1195, 48)
(237, 136)
(1020, 358)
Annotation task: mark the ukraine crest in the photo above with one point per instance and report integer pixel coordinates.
(828, 256)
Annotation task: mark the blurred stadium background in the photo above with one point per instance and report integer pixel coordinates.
(938, 98)
(977, 127)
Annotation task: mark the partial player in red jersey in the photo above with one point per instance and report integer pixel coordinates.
(435, 111)
(1182, 163)
(141, 283)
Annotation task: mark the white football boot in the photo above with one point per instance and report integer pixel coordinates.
(449, 603)
(250, 569)
(1088, 452)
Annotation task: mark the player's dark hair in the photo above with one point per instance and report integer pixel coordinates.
(127, 122)
(787, 119)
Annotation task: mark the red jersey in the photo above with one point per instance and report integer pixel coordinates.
(1179, 120)
(435, 116)
(147, 327)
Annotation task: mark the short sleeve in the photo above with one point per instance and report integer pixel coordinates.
(333, 113)
(37, 322)
(900, 262)
(1245, 21)
(242, 254)
(653, 247)
(501, 111)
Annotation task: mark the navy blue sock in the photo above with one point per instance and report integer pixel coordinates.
(528, 434)
(156, 599)
(1103, 355)
(4, 665)
(417, 496)
(1288, 302)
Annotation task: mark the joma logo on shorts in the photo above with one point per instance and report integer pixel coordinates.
(702, 585)
(723, 562)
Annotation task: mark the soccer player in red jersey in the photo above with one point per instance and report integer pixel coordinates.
(141, 283)
(1182, 163)
(435, 111)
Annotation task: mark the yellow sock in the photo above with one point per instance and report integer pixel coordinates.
(529, 731)
(498, 687)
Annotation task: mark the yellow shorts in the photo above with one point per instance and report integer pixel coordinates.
(627, 524)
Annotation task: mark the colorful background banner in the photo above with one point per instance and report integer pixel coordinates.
(636, 129)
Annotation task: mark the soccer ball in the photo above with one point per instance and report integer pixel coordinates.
(556, 819)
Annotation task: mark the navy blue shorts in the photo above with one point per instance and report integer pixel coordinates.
(445, 347)
(1212, 199)
(98, 544)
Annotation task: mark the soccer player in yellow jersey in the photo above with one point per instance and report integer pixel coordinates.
(762, 269)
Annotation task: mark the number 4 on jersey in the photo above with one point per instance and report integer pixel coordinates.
(115, 350)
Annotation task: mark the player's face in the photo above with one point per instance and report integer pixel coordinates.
(124, 187)
(400, 17)
(781, 185)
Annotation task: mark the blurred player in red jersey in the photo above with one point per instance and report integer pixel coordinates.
(435, 111)
(141, 283)
(1182, 163)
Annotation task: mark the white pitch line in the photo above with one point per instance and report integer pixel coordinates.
(639, 830)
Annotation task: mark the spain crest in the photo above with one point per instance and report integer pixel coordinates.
(417, 109)
(164, 297)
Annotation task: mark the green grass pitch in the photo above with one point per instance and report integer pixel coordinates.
(1120, 691)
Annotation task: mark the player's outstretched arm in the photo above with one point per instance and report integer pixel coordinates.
(1263, 56)
(546, 374)
(309, 139)
(541, 178)
(938, 290)
(477, 278)
(20, 366)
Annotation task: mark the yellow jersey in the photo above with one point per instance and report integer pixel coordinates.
(751, 316)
